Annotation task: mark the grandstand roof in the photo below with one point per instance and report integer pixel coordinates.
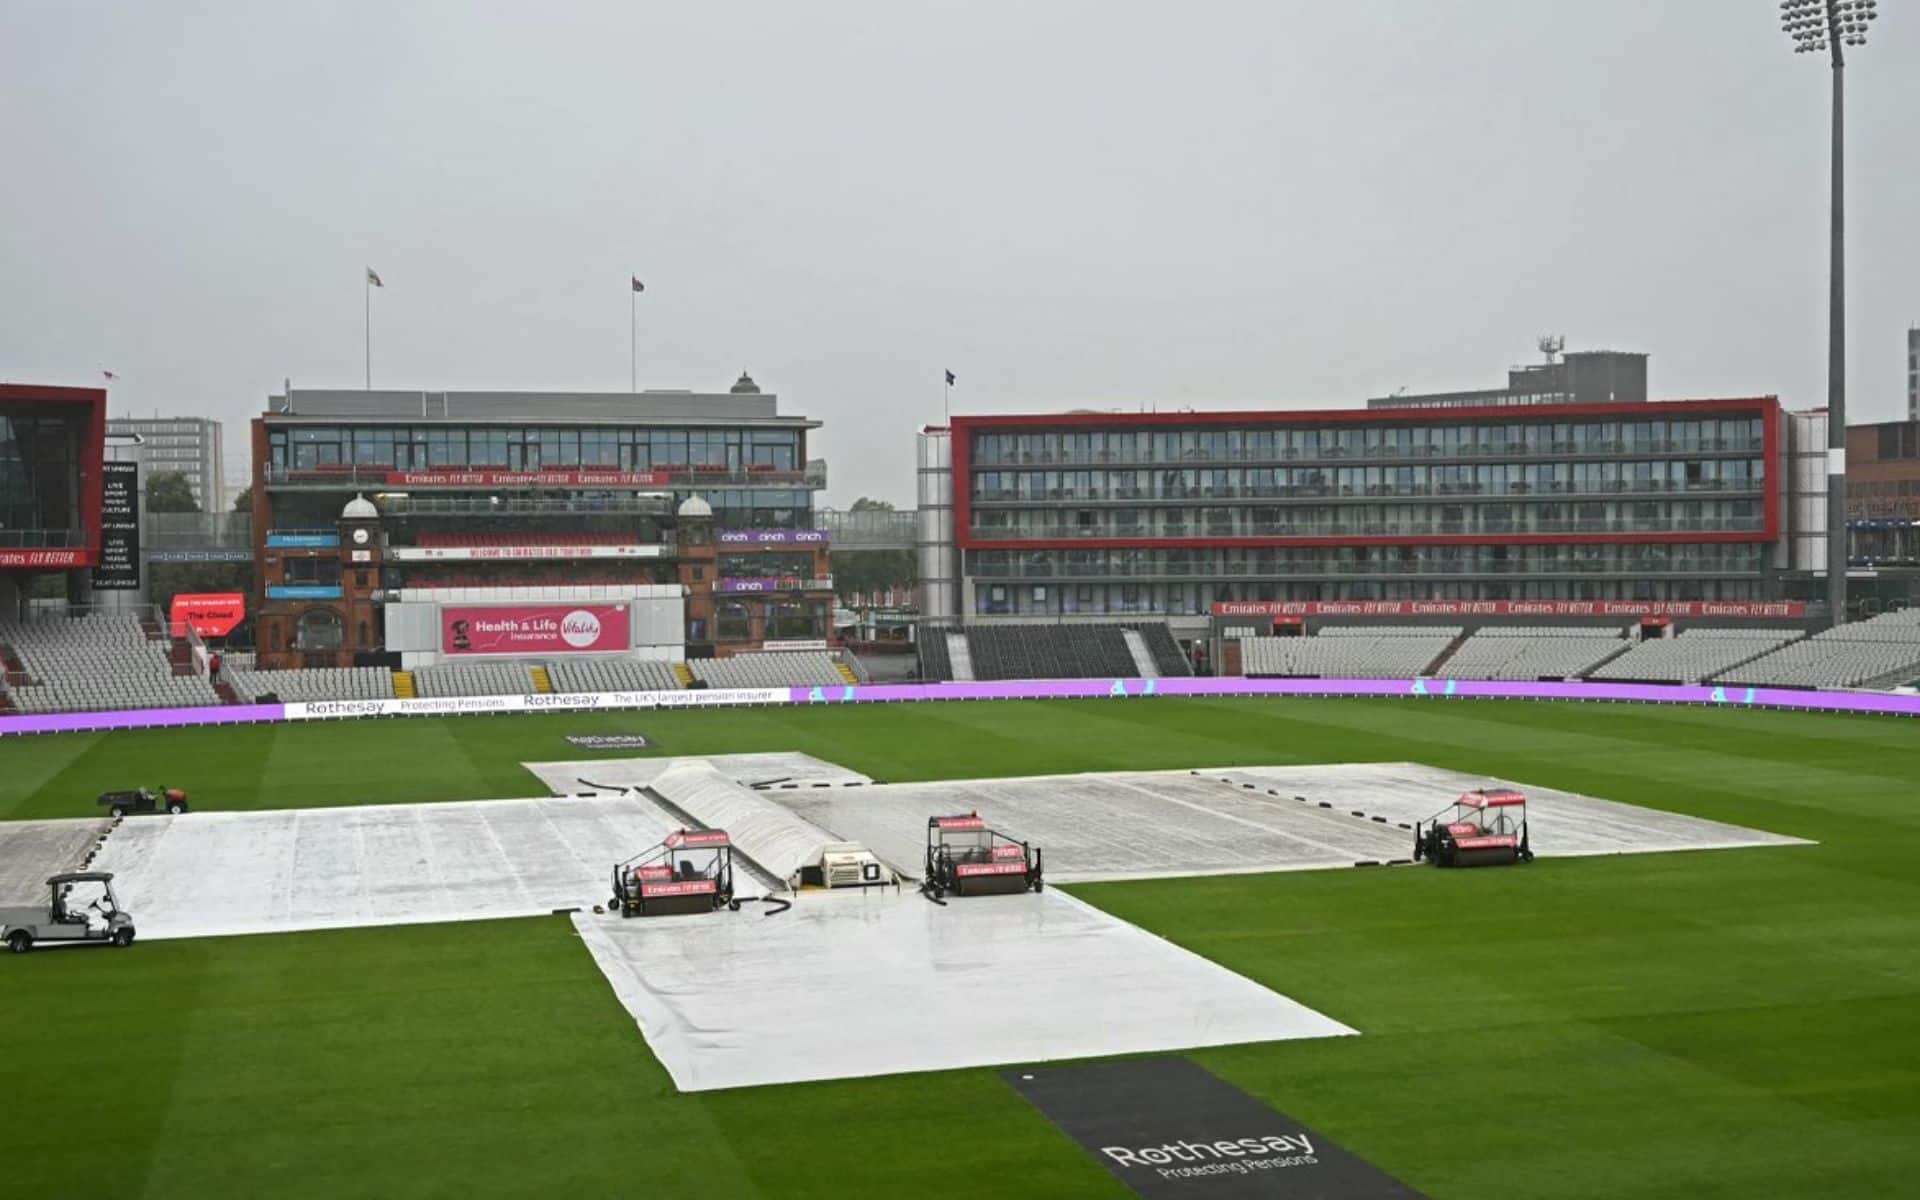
(467, 408)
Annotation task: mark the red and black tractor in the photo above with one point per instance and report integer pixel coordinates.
(1483, 828)
(966, 858)
(690, 872)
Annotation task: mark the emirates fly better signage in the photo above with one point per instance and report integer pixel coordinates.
(534, 629)
(1777, 609)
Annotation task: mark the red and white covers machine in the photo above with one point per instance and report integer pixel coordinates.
(968, 859)
(690, 872)
(1483, 828)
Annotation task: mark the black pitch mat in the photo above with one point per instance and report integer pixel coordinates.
(1169, 1129)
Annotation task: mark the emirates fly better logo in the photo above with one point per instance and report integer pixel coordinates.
(580, 629)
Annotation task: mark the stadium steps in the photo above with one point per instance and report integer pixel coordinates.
(683, 673)
(846, 672)
(542, 682)
(226, 693)
(1892, 679)
(151, 628)
(1751, 657)
(403, 688)
(1142, 657)
(1453, 647)
(959, 657)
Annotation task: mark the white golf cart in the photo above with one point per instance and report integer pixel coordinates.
(82, 908)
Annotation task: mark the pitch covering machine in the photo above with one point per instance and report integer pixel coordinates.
(967, 858)
(690, 872)
(1483, 828)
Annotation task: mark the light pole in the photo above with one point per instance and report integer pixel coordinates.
(1816, 25)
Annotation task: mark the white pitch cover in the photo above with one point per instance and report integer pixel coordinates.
(208, 874)
(850, 984)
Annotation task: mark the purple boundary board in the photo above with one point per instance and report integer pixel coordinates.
(1881, 704)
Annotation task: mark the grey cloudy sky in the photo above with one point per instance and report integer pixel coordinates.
(1283, 203)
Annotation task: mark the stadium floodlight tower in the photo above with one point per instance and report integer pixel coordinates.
(1831, 25)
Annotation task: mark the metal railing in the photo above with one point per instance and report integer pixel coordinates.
(1371, 454)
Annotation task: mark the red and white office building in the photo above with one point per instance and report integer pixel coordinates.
(1117, 515)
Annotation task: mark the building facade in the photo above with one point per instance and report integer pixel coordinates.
(1578, 377)
(1913, 373)
(369, 504)
(52, 454)
(1103, 514)
(190, 445)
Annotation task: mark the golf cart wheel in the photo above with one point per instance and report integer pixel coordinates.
(116, 812)
(177, 807)
(123, 937)
(19, 941)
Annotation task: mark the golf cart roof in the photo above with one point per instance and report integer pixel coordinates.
(696, 838)
(970, 821)
(1492, 798)
(80, 877)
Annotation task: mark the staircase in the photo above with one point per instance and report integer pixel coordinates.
(542, 682)
(1143, 663)
(226, 693)
(1453, 647)
(959, 657)
(684, 674)
(403, 685)
(846, 672)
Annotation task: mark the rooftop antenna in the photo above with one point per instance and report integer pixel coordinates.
(1551, 344)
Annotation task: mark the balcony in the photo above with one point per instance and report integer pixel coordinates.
(1378, 455)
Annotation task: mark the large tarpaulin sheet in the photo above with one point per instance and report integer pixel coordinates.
(773, 771)
(207, 874)
(769, 833)
(852, 984)
(1562, 823)
(32, 850)
(1148, 824)
(1110, 825)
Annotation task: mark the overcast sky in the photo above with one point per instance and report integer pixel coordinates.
(1282, 203)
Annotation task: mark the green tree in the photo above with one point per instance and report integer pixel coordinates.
(169, 492)
(243, 503)
(857, 571)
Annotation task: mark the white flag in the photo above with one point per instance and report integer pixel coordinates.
(373, 277)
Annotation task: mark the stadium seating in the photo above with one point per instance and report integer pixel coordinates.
(1167, 656)
(1885, 649)
(930, 645)
(96, 662)
(612, 675)
(1692, 655)
(1533, 652)
(1390, 653)
(311, 683)
(474, 679)
(769, 670)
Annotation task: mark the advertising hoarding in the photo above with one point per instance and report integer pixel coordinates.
(534, 629)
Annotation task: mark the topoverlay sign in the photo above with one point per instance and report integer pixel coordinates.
(1169, 1130)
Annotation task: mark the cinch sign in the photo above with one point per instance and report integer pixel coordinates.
(210, 614)
(534, 629)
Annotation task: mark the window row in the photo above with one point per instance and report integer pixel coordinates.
(1352, 440)
(1464, 479)
(1229, 563)
(1375, 520)
(1196, 599)
(304, 448)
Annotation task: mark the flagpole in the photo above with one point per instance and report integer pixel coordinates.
(633, 341)
(366, 285)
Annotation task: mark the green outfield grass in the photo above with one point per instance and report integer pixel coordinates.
(1717, 1024)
